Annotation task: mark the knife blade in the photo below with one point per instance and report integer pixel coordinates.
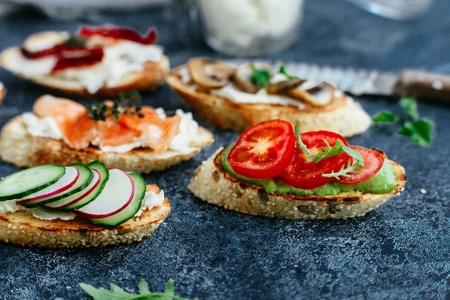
(409, 82)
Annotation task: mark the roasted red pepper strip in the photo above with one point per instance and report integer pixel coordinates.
(73, 58)
(120, 34)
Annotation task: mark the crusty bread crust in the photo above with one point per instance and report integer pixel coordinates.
(343, 115)
(19, 147)
(152, 75)
(23, 229)
(213, 184)
(2, 94)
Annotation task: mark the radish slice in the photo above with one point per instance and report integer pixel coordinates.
(116, 195)
(68, 180)
(72, 199)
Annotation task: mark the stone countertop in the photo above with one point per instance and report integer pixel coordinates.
(398, 251)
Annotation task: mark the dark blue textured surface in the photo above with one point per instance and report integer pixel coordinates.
(399, 251)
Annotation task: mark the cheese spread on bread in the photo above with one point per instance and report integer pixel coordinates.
(120, 58)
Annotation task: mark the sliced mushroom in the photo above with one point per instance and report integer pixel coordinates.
(318, 95)
(243, 77)
(208, 73)
(283, 86)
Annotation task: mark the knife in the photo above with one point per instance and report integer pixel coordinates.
(409, 82)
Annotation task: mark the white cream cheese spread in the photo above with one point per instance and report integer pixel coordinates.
(151, 199)
(120, 58)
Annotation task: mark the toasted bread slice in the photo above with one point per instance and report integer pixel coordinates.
(23, 229)
(343, 115)
(213, 184)
(2, 92)
(149, 78)
(19, 147)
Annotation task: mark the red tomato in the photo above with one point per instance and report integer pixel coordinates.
(308, 175)
(373, 162)
(263, 150)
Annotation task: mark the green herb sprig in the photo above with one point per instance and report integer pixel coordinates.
(116, 293)
(260, 77)
(328, 151)
(101, 111)
(75, 42)
(418, 130)
(283, 71)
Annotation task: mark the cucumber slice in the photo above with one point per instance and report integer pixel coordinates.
(83, 197)
(29, 181)
(116, 195)
(68, 180)
(85, 176)
(132, 208)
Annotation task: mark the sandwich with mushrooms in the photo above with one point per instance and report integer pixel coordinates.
(274, 171)
(133, 138)
(95, 61)
(236, 97)
(78, 206)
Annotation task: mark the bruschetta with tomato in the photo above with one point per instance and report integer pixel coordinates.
(138, 139)
(78, 206)
(275, 171)
(95, 61)
(237, 97)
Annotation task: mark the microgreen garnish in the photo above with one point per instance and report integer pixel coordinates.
(116, 293)
(260, 77)
(283, 71)
(328, 151)
(75, 42)
(349, 168)
(101, 111)
(418, 130)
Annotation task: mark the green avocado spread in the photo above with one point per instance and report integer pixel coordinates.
(380, 183)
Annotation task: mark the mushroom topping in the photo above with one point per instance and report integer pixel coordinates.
(243, 77)
(283, 86)
(209, 74)
(318, 95)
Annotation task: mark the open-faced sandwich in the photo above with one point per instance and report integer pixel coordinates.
(137, 139)
(272, 171)
(239, 97)
(2, 92)
(52, 206)
(102, 61)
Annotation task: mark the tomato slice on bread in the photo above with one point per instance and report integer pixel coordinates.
(263, 150)
(373, 162)
(308, 175)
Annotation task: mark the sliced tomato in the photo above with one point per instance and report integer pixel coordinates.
(308, 175)
(263, 150)
(314, 139)
(373, 162)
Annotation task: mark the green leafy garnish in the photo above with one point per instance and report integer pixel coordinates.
(283, 71)
(101, 111)
(260, 77)
(350, 168)
(418, 130)
(385, 117)
(116, 293)
(75, 42)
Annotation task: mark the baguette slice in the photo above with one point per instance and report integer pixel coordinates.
(19, 147)
(343, 115)
(23, 229)
(149, 78)
(213, 184)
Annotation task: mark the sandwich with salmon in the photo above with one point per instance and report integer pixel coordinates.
(136, 139)
(78, 206)
(237, 97)
(275, 171)
(95, 61)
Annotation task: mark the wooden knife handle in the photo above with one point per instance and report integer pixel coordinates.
(433, 87)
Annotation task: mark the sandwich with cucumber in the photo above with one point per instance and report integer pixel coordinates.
(274, 171)
(77, 206)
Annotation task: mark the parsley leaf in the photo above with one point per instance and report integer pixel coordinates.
(419, 130)
(410, 106)
(385, 117)
(260, 77)
(283, 71)
(75, 42)
(101, 111)
(116, 293)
